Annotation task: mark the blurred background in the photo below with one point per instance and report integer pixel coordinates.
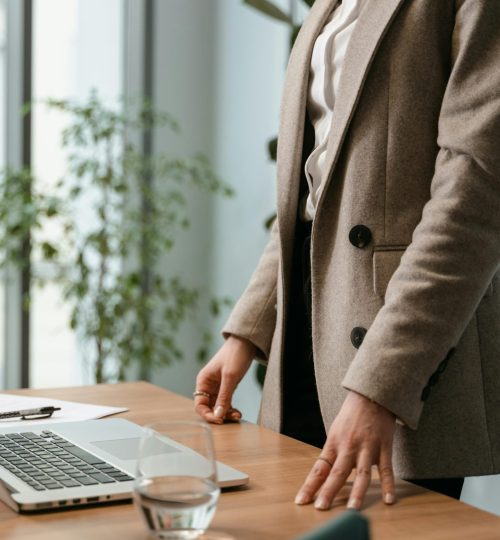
(217, 67)
(180, 256)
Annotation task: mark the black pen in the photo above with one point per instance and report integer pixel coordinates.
(43, 412)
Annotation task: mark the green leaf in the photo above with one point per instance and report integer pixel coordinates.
(26, 108)
(295, 33)
(202, 354)
(49, 251)
(214, 307)
(269, 222)
(309, 2)
(272, 148)
(269, 9)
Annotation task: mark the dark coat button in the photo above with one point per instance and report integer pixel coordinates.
(360, 236)
(357, 336)
(425, 393)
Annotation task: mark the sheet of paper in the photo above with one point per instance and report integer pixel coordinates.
(70, 410)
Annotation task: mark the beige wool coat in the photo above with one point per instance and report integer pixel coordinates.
(406, 238)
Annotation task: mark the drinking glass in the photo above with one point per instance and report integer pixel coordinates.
(176, 481)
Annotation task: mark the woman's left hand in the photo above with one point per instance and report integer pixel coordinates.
(360, 436)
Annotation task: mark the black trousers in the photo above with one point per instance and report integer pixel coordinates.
(301, 413)
(302, 418)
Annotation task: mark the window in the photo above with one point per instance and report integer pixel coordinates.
(69, 60)
(3, 16)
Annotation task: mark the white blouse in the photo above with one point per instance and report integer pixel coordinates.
(326, 66)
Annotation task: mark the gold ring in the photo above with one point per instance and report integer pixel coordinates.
(326, 461)
(201, 393)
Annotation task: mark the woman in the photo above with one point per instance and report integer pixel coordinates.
(389, 173)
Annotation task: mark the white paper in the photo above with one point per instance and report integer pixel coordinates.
(70, 410)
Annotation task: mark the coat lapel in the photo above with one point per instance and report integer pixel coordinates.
(371, 27)
(292, 114)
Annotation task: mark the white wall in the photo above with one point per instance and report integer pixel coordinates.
(219, 70)
(184, 86)
(251, 53)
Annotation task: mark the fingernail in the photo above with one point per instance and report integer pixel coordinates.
(322, 504)
(219, 412)
(301, 499)
(354, 504)
(389, 498)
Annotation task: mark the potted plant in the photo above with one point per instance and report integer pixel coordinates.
(126, 312)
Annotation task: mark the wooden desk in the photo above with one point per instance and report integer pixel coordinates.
(264, 510)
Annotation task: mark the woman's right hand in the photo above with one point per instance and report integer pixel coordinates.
(220, 377)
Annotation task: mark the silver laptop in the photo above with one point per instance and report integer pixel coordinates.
(47, 466)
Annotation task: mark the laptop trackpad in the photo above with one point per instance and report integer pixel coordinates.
(129, 448)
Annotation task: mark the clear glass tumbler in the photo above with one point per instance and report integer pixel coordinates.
(176, 481)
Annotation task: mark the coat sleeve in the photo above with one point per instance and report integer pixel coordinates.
(455, 249)
(254, 315)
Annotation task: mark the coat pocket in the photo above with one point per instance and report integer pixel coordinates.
(386, 261)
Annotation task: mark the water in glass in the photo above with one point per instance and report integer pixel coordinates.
(177, 506)
(176, 483)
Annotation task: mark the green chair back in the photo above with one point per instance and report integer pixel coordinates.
(351, 525)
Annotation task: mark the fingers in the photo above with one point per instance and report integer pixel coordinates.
(386, 474)
(315, 479)
(338, 476)
(361, 482)
(233, 415)
(203, 406)
(360, 436)
(219, 379)
(228, 386)
(324, 481)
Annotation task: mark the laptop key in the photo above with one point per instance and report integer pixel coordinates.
(28, 468)
(55, 485)
(102, 478)
(103, 466)
(70, 483)
(85, 468)
(46, 482)
(122, 478)
(75, 474)
(86, 481)
(60, 477)
(35, 461)
(84, 455)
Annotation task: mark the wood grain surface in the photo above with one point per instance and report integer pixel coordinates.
(262, 510)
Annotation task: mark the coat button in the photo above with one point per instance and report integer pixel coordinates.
(360, 236)
(425, 393)
(357, 336)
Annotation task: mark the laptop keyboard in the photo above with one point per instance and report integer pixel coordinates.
(47, 461)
